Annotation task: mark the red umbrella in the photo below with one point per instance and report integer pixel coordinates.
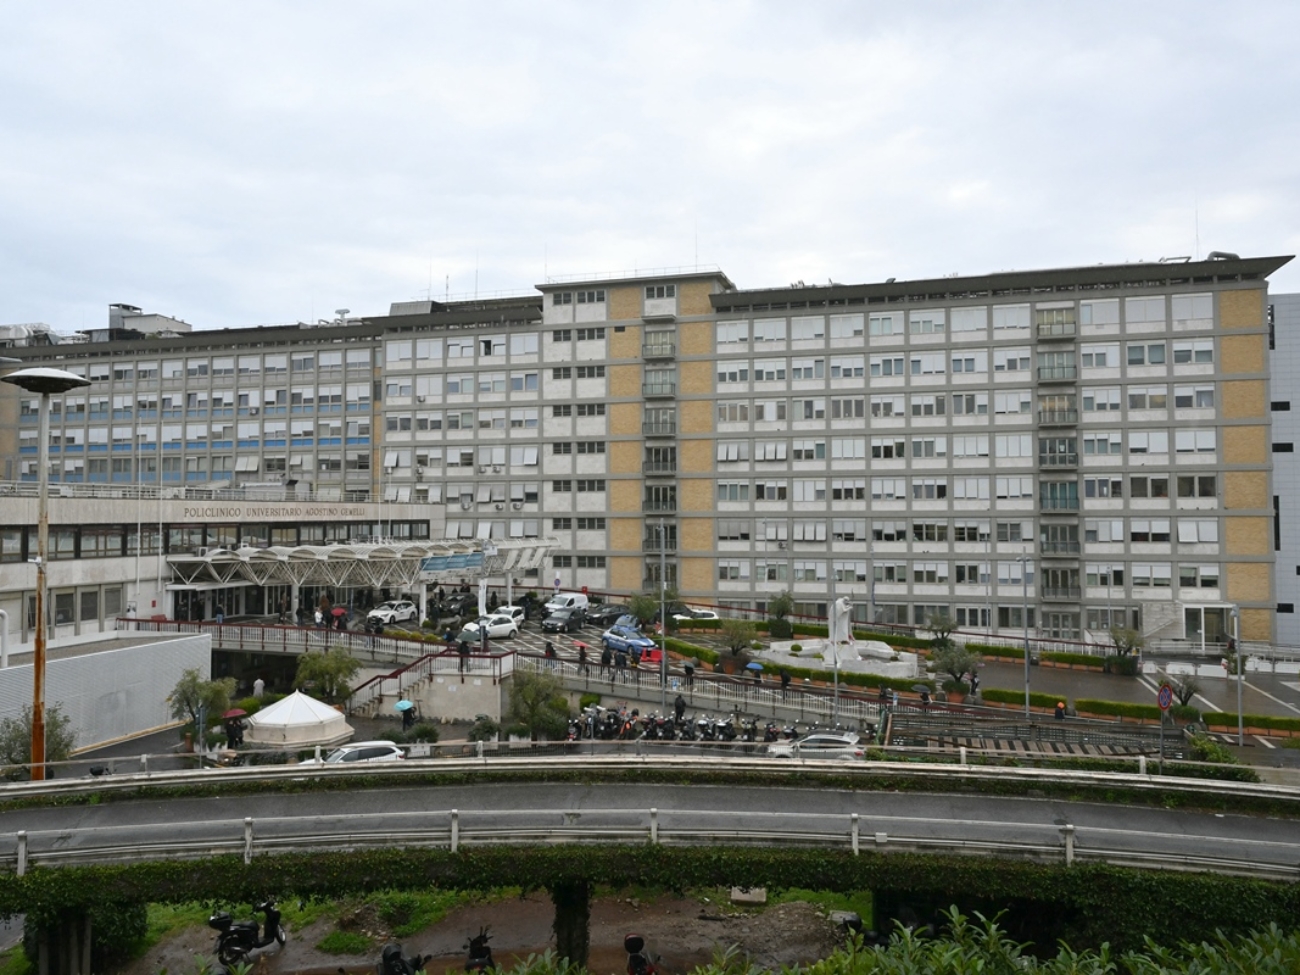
(235, 713)
(340, 611)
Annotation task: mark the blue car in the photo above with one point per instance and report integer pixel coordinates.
(625, 638)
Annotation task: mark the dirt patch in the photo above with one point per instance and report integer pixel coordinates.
(684, 932)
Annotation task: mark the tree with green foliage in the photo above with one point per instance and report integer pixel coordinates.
(328, 674)
(1126, 640)
(193, 693)
(643, 607)
(537, 704)
(738, 635)
(949, 657)
(778, 608)
(16, 740)
(1185, 688)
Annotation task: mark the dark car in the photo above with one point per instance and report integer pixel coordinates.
(606, 615)
(461, 604)
(564, 620)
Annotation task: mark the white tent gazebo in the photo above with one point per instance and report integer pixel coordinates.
(298, 721)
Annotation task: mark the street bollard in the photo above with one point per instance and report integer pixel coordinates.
(248, 839)
(654, 826)
(455, 830)
(1067, 831)
(854, 831)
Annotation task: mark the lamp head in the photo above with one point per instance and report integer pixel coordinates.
(43, 380)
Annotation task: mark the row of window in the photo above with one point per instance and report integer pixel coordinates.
(1005, 573)
(1050, 494)
(1186, 311)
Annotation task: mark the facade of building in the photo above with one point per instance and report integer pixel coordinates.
(1073, 448)
(1284, 365)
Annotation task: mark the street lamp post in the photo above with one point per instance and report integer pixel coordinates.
(45, 382)
(1024, 612)
(663, 616)
(1239, 662)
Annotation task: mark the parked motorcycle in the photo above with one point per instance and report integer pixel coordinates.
(236, 940)
(393, 962)
(749, 729)
(639, 961)
(772, 732)
(479, 958)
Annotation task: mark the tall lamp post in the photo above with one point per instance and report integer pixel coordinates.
(663, 615)
(45, 382)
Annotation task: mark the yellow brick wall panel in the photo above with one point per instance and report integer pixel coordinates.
(624, 304)
(1248, 535)
(1241, 309)
(695, 495)
(693, 298)
(625, 419)
(1244, 445)
(1241, 353)
(697, 574)
(1257, 624)
(697, 535)
(696, 338)
(695, 456)
(624, 495)
(624, 382)
(1245, 490)
(625, 457)
(625, 534)
(1243, 399)
(625, 344)
(1250, 582)
(695, 378)
(625, 573)
(695, 416)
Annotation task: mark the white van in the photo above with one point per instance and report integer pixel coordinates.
(566, 600)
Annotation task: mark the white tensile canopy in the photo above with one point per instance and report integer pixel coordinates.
(298, 720)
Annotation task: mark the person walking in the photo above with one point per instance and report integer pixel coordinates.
(221, 614)
(785, 685)
(620, 663)
(582, 658)
(606, 662)
(679, 708)
(689, 668)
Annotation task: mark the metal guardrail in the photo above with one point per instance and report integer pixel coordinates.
(452, 829)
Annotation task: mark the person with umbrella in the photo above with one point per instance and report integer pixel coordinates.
(234, 723)
(756, 671)
(407, 708)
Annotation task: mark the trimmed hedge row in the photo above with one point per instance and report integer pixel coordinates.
(1221, 719)
(1122, 709)
(1003, 696)
(1076, 659)
(858, 680)
(989, 650)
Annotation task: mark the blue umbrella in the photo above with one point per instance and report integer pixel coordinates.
(403, 705)
(753, 666)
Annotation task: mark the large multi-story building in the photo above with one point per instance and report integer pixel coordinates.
(1073, 449)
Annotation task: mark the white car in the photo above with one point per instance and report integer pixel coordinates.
(395, 611)
(498, 626)
(820, 744)
(691, 615)
(516, 613)
(360, 751)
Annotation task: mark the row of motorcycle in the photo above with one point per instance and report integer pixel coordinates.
(239, 941)
(600, 723)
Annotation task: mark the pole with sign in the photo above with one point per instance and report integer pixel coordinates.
(1165, 698)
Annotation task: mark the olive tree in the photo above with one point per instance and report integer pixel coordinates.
(193, 693)
(328, 674)
(16, 740)
(537, 704)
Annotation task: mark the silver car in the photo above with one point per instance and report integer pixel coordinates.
(820, 744)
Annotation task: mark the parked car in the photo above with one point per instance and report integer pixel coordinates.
(395, 611)
(625, 638)
(516, 613)
(360, 751)
(690, 615)
(498, 626)
(564, 621)
(460, 604)
(820, 744)
(606, 614)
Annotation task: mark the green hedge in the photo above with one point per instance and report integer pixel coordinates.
(1227, 719)
(990, 650)
(857, 680)
(1078, 659)
(1002, 696)
(1122, 709)
(684, 649)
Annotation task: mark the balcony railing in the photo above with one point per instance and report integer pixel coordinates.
(1058, 460)
(652, 545)
(1058, 418)
(658, 350)
(1059, 504)
(658, 389)
(1059, 547)
(659, 429)
(659, 467)
(1057, 374)
(1058, 330)
(1060, 592)
(658, 505)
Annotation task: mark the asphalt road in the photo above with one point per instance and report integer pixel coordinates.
(694, 810)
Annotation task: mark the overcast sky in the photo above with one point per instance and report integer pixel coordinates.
(241, 163)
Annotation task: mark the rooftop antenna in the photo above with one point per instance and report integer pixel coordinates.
(1196, 210)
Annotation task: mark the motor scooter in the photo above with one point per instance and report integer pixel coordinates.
(479, 958)
(236, 940)
(393, 962)
(639, 961)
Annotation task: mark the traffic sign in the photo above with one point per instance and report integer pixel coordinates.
(1166, 697)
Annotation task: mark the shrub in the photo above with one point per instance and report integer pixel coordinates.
(344, 943)
(1076, 659)
(588, 700)
(483, 729)
(1185, 712)
(1003, 696)
(780, 629)
(1126, 666)
(1205, 749)
(425, 731)
(1122, 709)
(1226, 719)
(796, 648)
(989, 650)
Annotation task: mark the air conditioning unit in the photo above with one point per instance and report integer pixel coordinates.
(496, 468)
(419, 399)
(781, 545)
(517, 505)
(482, 469)
(501, 506)
(464, 504)
(254, 411)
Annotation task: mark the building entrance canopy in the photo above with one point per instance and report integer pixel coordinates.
(381, 565)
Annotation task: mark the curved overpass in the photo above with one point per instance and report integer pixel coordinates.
(422, 813)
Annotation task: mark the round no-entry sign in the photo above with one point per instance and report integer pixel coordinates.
(1166, 697)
